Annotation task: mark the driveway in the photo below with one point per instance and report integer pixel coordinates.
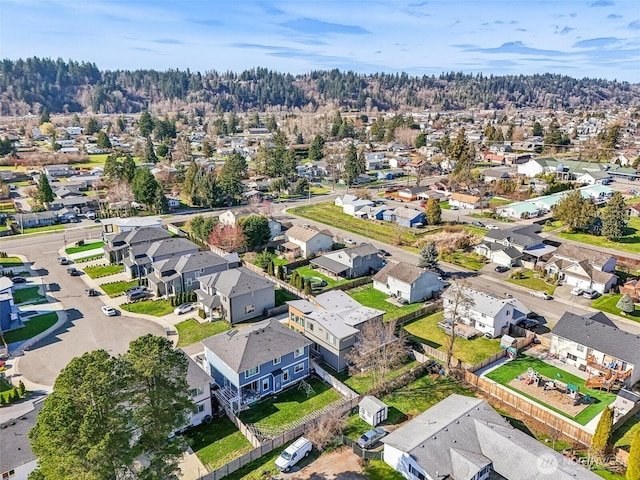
(341, 464)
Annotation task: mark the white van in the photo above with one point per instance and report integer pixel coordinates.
(292, 455)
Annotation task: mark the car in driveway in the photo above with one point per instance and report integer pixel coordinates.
(18, 280)
(109, 311)
(577, 291)
(590, 293)
(349, 241)
(134, 290)
(372, 437)
(501, 269)
(541, 294)
(528, 323)
(184, 308)
(478, 224)
(492, 227)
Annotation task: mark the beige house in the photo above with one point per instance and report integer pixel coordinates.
(307, 241)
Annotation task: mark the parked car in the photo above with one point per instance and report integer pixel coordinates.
(541, 294)
(492, 227)
(18, 280)
(384, 253)
(91, 292)
(528, 323)
(577, 291)
(109, 311)
(478, 224)
(349, 241)
(454, 207)
(139, 295)
(501, 269)
(132, 290)
(184, 308)
(590, 293)
(372, 437)
(293, 453)
(63, 261)
(73, 272)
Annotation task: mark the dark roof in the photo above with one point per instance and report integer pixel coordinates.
(598, 332)
(330, 264)
(402, 271)
(252, 346)
(170, 246)
(14, 440)
(520, 235)
(235, 282)
(196, 376)
(143, 235)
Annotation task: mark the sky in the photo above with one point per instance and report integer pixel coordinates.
(593, 38)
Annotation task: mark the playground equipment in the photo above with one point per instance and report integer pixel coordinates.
(308, 389)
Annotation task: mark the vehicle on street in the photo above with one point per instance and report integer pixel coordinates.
(454, 207)
(384, 253)
(73, 272)
(293, 453)
(109, 311)
(577, 291)
(372, 437)
(63, 261)
(349, 241)
(478, 224)
(541, 294)
(18, 280)
(502, 269)
(492, 227)
(184, 308)
(91, 292)
(590, 293)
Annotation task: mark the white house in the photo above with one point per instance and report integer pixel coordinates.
(485, 312)
(199, 383)
(309, 240)
(403, 280)
(582, 267)
(538, 166)
(462, 200)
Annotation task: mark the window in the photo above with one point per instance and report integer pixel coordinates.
(310, 326)
(416, 473)
(580, 348)
(285, 376)
(297, 319)
(298, 368)
(298, 352)
(189, 282)
(330, 338)
(199, 408)
(249, 309)
(277, 360)
(251, 372)
(196, 391)
(265, 384)
(571, 356)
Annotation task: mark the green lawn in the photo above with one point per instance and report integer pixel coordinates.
(49, 228)
(378, 470)
(445, 205)
(10, 262)
(473, 351)
(363, 382)
(157, 308)
(283, 296)
(103, 270)
(469, 260)
(217, 443)
(85, 247)
(551, 225)
(607, 304)
(190, 331)
(609, 475)
(307, 271)
(629, 243)
(519, 366)
(369, 297)
(530, 281)
(35, 325)
(115, 289)
(28, 294)
(498, 202)
(622, 436)
(289, 405)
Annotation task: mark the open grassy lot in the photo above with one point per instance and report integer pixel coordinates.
(217, 443)
(510, 370)
(498, 202)
(28, 294)
(289, 405)
(103, 270)
(96, 161)
(32, 327)
(363, 382)
(49, 228)
(529, 280)
(10, 262)
(426, 330)
(629, 243)
(370, 297)
(607, 304)
(190, 331)
(307, 271)
(115, 289)
(157, 308)
(84, 248)
(283, 296)
(469, 260)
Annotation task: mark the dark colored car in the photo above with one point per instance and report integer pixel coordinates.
(91, 292)
(528, 323)
(478, 224)
(384, 253)
(19, 280)
(502, 269)
(73, 272)
(137, 296)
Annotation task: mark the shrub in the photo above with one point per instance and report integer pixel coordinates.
(21, 389)
(80, 243)
(201, 313)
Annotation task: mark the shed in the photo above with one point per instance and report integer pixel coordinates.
(372, 410)
(507, 341)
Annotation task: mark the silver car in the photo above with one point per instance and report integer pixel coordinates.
(372, 437)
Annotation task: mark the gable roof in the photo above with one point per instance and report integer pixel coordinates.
(235, 282)
(598, 332)
(578, 253)
(142, 234)
(463, 197)
(403, 272)
(485, 303)
(252, 346)
(169, 246)
(304, 234)
(196, 376)
(520, 235)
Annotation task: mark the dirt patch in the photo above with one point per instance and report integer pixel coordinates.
(341, 464)
(554, 394)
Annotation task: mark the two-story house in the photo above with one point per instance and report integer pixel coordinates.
(520, 245)
(407, 281)
(200, 383)
(365, 259)
(9, 313)
(118, 245)
(232, 217)
(142, 256)
(235, 295)
(332, 322)
(119, 225)
(255, 361)
(180, 274)
(485, 312)
(309, 241)
(583, 267)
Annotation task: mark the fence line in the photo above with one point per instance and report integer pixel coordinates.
(333, 381)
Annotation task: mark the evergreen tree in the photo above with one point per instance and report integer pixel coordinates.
(574, 211)
(145, 124)
(316, 149)
(44, 191)
(433, 212)
(256, 230)
(537, 129)
(160, 202)
(128, 168)
(614, 217)
(299, 139)
(421, 140)
(270, 269)
(307, 286)
(21, 389)
(145, 187)
(45, 116)
(189, 186)
(103, 140)
(350, 171)
(625, 304)
(2, 400)
(633, 463)
(91, 126)
(428, 256)
(149, 152)
(602, 436)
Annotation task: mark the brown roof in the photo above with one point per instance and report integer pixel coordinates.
(402, 271)
(463, 197)
(579, 253)
(304, 234)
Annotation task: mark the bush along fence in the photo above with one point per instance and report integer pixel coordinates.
(183, 297)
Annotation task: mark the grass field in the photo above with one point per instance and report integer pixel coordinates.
(103, 270)
(607, 304)
(498, 202)
(283, 296)
(629, 243)
(510, 370)
(28, 294)
(191, 331)
(32, 327)
(378, 470)
(96, 161)
(369, 297)
(426, 330)
(469, 260)
(49, 228)
(10, 262)
(84, 248)
(307, 271)
(157, 308)
(115, 289)
(529, 281)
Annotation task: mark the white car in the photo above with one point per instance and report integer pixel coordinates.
(109, 311)
(577, 291)
(184, 308)
(492, 227)
(293, 454)
(349, 241)
(540, 294)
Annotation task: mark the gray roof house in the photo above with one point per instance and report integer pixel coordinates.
(117, 246)
(38, 219)
(17, 458)
(180, 274)
(200, 383)
(510, 245)
(235, 295)
(332, 323)
(142, 256)
(351, 262)
(407, 281)
(583, 267)
(594, 342)
(463, 438)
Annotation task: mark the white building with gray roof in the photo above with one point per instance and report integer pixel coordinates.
(406, 281)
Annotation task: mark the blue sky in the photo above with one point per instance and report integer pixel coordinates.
(594, 38)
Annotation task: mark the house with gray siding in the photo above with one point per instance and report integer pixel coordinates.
(118, 245)
(309, 241)
(141, 257)
(332, 323)
(38, 219)
(513, 246)
(255, 361)
(200, 383)
(365, 259)
(582, 267)
(407, 281)
(235, 295)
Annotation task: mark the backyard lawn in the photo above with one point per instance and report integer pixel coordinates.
(369, 297)
(607, 304)
(157, 308)
(622, 436)
(529, 280)
(103, 270)
(498, 202)
(289, 405)
(307, 271)
(191, 331)
(33, 326)
(363, 382)
(10, 262)
(283, 296)
(84, 248)
(217, 443)
(28, 294)
(469, 260)
(473, 351)
(378, 470)
(510, 370)
(115, 289)
(629, 243)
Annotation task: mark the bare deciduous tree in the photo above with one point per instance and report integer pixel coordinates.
(363, 193)
(229, 238)
(457, 302)
(325, 429)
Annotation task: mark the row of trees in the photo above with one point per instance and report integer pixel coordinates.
(207, 188)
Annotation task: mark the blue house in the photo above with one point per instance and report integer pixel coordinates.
(253, 362)
(9, 313)
(405, 216)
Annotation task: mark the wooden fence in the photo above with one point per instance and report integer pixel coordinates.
(345, 391)
(425, 310)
